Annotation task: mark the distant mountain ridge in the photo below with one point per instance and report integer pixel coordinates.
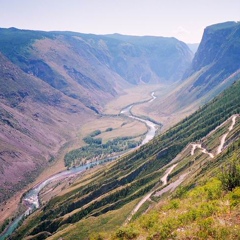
(85, 65)
(193, 47)
(162, 54)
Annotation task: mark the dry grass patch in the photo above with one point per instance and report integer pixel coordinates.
(121, 127)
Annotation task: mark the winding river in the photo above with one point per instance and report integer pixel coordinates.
(152, 127)
(31, 198)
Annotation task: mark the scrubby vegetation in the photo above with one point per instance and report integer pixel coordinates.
(210, 210)
(230, 175)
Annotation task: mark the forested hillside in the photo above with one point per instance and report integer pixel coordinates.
(133, 175)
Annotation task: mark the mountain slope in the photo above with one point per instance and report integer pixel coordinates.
(86, 71)
(201, 208)
(133, 175)
(167, 58)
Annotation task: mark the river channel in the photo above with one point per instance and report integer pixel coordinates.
(31, 198)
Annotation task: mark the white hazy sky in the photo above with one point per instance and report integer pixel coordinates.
(183, 19)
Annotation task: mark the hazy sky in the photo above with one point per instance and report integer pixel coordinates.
(183, 19)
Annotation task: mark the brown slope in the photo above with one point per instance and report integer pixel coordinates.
(35, 121)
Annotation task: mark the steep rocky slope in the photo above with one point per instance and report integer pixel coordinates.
(215, 66)
(149, 59)
(218, 54)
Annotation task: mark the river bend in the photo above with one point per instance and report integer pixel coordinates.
(31, 198)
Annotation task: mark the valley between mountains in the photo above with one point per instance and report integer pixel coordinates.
(72, 101)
